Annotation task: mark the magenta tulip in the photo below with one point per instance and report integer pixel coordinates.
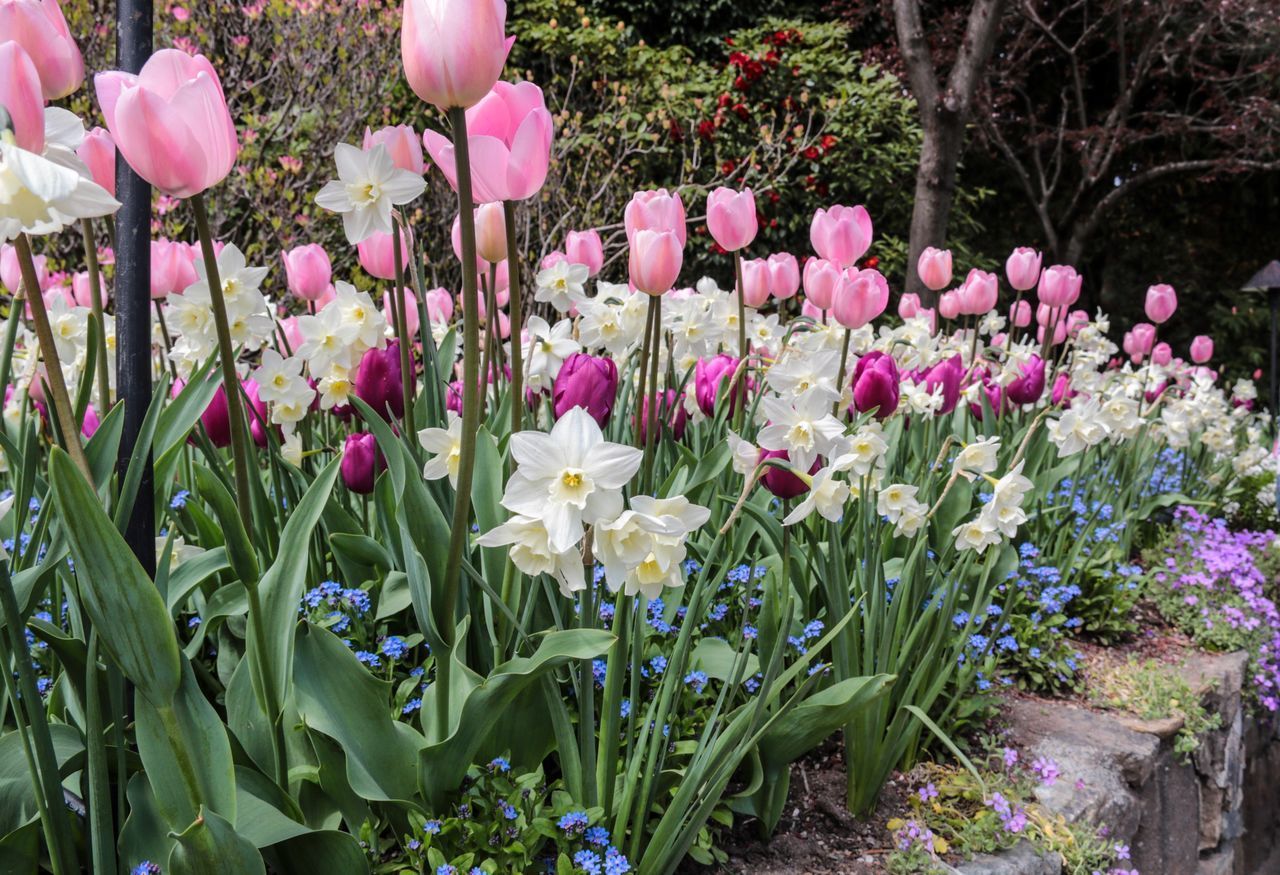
(1201, 349)
(979, 293)
(656, 259)
(172, 268)
(401, 143)
(1059, 286)
(781, 482)
(946, 375)
(861, 296)
(1023, 268)
(671, 416)
(21, 95)
(656, 211)
(909, 305)
(710, 377)
(171, 122)
(98, 152)
(731, 218)
(876, 384)
(589, 382)
(934, 268)
(378, 381)
(755, 282)
(820, 280)
(585, 248)
(1027, 388)
(361, 462)
(1161, 303)
(454, 50)
(308, 271)
(1062, 391)
(841, 234)
(509, 134)
(784, 275)
(40, 28)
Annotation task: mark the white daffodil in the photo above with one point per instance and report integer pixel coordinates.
(368, 185)
(291, 448)
(895, 500)
(977, 534)
(532, 553)
(805, 429)
(545, 351)
(745, 455)
(327, 340)
(39, 196)
(569, 478)
(335, 387)
(357, 309)
(446, 446)
(182, 551)
(643, 549)
(863, 451)
(563, 285)
(827, 495)
(1011, 488)
(1077, 429)
(798, 373)
(977, 458)
(276, 375)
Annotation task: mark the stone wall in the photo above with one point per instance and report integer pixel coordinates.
(1217, 815)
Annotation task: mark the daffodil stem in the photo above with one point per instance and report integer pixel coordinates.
(227, 356)
(11, 333)
(406, 341)
(49, 352)
(517, 350)
(95, 303)
(471, 401)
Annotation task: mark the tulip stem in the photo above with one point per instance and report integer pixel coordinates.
(95, 303)
(227, 355)
(517, 351)
(742, 332)
(844, 362)
(49, 352)
(471, 400)
(402, 330)
(655, 355)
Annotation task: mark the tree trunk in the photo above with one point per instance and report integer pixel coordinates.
(935, 191)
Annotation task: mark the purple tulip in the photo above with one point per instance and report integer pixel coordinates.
(708, 375)
(589, 382)
(875, 384)
(780, 481)
(1028, 388)
(670, 412)
(946, 374)
(378, 381)
(1062, 391)
(361, 462)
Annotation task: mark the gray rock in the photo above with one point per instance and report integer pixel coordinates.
(1021, 859)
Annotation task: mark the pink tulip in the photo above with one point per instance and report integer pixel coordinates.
(784, 275)
(361, 462)
(40, 28)
(491, 232)
(172, 268)
(412, 319)
(454, 50)
(509, 134)
(656, 211)
(979, 293)
(401, 143)
(1202, 349)
(755, 282)
(810, 311)
(11, 271)
(171, 122)
(89, 425)
(585, 248)
(1062, 391)
(1162, 354)
(820, 280)
(1023, 268)
(378, 256)
(98, 152)
(21, 95)
(876, 384)
(589, 382)
(1020, 314)
(1161, 302)
(292, 332)
(1139, 341)
(909, 305)
(439, 305)
(308, 271)
(1059, 286)
(930, 315)
(656, 259)
(950, 304)
(934, 268)
(731, 218)
(861, 296)
(1076, 320)
(82, 290)
(1059, 332)
(841, 234)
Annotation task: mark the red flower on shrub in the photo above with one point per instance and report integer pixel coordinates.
(707, 129)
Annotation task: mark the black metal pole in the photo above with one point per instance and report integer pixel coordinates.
(133, 292)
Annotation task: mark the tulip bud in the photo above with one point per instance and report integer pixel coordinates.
(670, 415)
(755, 282)
(378, 256)
(841, 234)
(820, 280)
(1023, 268)
(784, 275)
(1020, 314)
(1162, 354)
(1059, 286)
(1062, 391)
(656, 211)
(589, 382)
(361, 462)
(1161, 302)
(584, 247)
(950, 304)
(656, 259)
(491, 232)
(934, 268)
(909, 305)
(1202, 349)
(82, 290)
(21, 95)
(172, 269)
(945, 375)
(979, 293)
(98, 152)
(308, 271)
(42, 32)
(731, 218)
(876, 384)
(860, 298)
(411, 318)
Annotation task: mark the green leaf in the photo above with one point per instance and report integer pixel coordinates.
(184, 579)
(211, 846)
(382, 754)
(716, 657)
(240, 553)
(115, 591)
(320, 851)
(181, 414)
(17, 793)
